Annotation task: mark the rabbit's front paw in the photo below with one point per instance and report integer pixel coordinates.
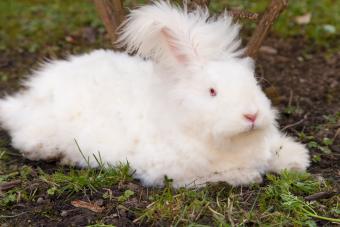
(233, 177)
(297, 166)
(244, 177)
(289, 155)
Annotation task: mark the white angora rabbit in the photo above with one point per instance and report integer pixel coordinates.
(187, 107)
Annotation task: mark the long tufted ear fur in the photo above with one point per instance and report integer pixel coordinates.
(167, 33)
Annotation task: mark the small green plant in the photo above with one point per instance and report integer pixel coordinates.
(8, 198)
(312, 143)
(302, 208)
(316, 158)
(52, 191)
(13, 196)
(126, 195)
(323, 147)
(332, 119)
(285, 193)
(291, 110)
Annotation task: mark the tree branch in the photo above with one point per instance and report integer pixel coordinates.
(9, 185)
(266, 21)
(321, 195)
(242, 14)
(112, 15)
(193, 4)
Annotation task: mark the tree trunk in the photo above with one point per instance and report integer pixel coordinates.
(112, 15)
(266, 21)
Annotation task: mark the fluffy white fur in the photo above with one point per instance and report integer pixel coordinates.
(157, 113)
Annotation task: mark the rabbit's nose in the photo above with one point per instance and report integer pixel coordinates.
(250, 117)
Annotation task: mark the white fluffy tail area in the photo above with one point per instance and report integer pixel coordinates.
(22, 118)
(9, 107)
(164, 32)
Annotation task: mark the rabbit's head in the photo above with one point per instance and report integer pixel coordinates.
(198, 59)
(220, 98)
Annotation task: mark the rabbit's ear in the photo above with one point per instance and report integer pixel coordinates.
(181, 51)
(172, 36)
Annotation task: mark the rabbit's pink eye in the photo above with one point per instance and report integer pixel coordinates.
(212, 92)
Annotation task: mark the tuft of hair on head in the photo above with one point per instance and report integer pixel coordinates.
(168, 34)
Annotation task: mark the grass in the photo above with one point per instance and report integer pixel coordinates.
(279, 202)
(62, 182)
(26, 23)
(84, 180)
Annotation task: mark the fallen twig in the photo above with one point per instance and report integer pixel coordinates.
(215, 212)
(242, 14)
(13, 216)
(321, 195)
(292, 125)
(295, 124)
(90, 206)
(9, 185)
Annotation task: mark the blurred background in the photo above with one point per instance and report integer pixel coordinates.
(43, 25)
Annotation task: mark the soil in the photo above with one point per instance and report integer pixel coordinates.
(303, 83)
